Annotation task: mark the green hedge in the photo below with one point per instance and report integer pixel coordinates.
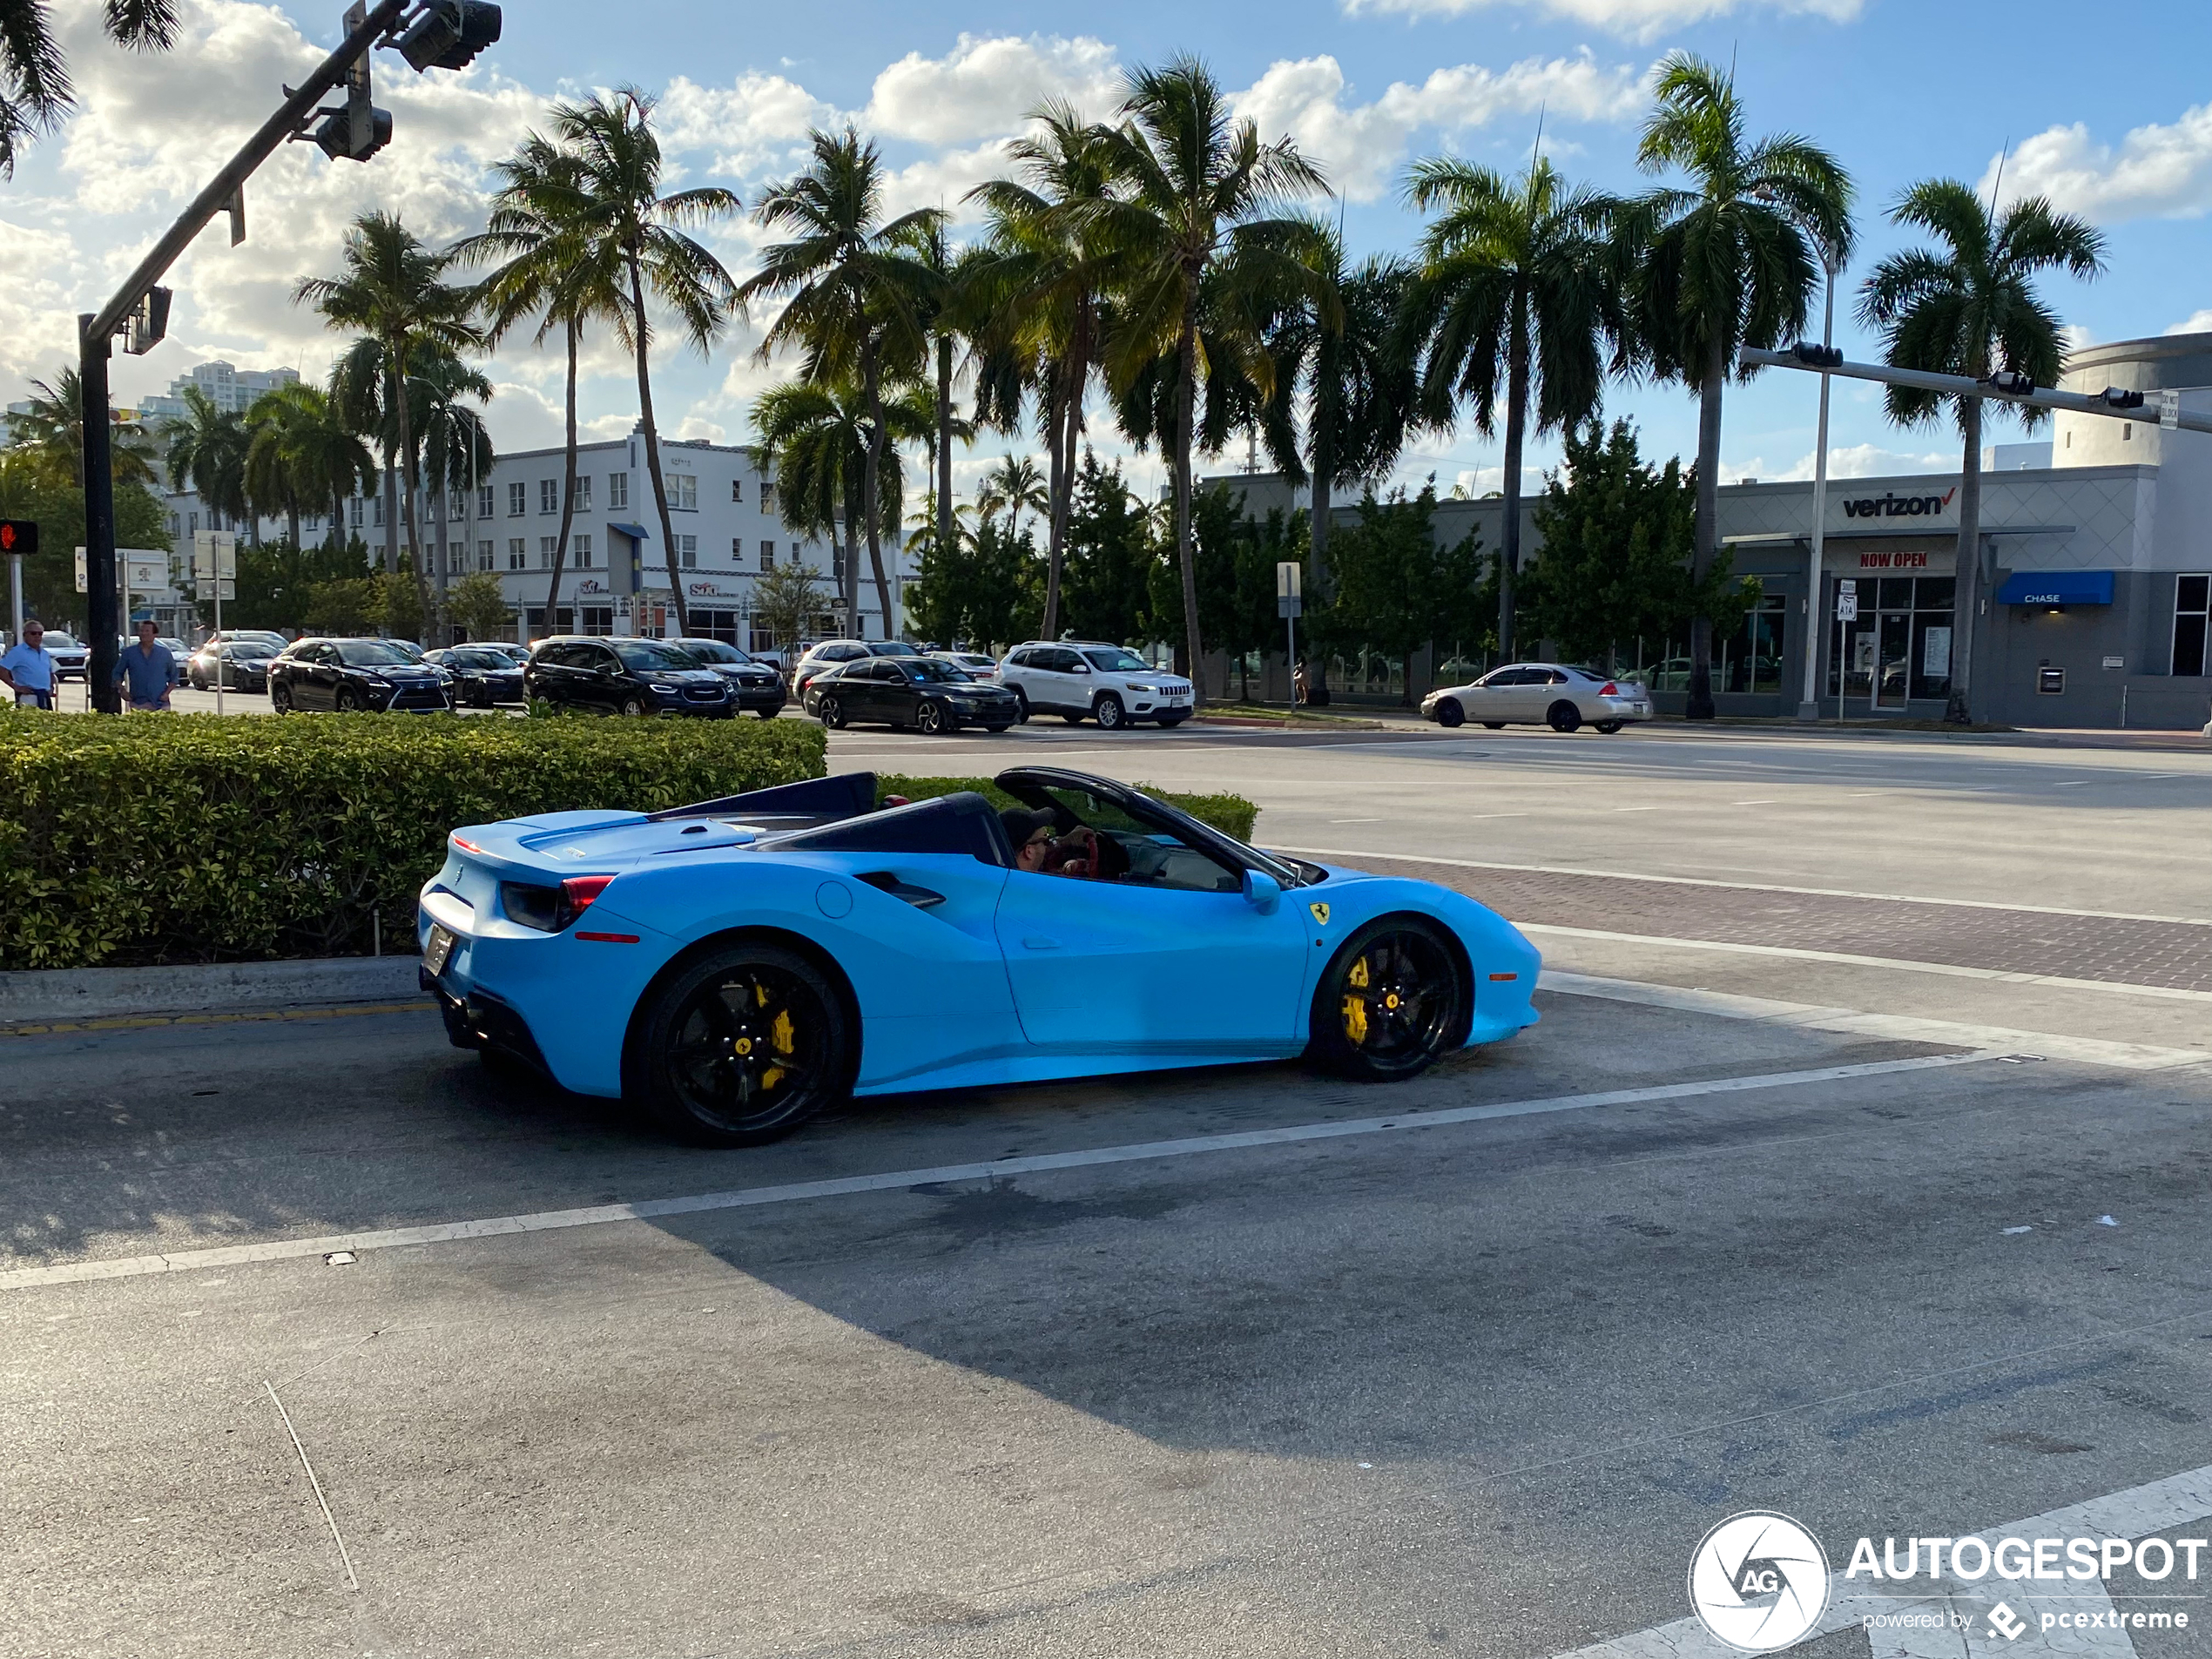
(190, 838)
(1232, 814)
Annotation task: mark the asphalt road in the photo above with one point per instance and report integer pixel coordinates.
(1733, 1228)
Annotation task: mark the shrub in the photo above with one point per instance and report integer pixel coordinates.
(1232, 814)
(188, 838)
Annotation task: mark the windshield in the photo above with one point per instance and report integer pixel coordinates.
(648, 655)
(254, 648)
(479, 659)
(58, 641)
(930, 671)
(373, 653)
(893, 648)
(1117, 662)
(713, 650)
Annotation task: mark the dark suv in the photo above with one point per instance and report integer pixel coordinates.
(635, 677)
(757, 686)
(365, 676)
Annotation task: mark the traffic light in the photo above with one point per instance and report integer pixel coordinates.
(18, 537)
(2011, 383)
(2113, 397)
(148, 324)
(334, 134)
(448, 34)
(1814, 356)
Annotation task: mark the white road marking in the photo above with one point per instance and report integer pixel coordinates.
(1754, 803)
(1792, 953)
(895, 1180)
(1735, 887)
(1355, 820)
(2155, 1507)
(2089, 1051)
(2071, 783)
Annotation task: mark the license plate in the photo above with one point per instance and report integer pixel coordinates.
(1176, 696)
(438, 952)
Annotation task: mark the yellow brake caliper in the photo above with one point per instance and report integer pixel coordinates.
(1355, 1007)
(781, 1036)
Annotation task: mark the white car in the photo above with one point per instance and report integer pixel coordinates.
(70, 656)
(1076, 678)
(973, 663)
(1541, 694)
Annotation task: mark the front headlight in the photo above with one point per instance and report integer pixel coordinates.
(376, 684)
(663, 691)
(1147, 689)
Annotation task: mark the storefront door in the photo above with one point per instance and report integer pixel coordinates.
(1893, 661)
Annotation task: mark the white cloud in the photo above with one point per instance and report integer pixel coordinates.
(1475, 483)
(1853, 461)
(2199, 322)
(756, 122)
(985, 86)
(1638, 19)
(1361, 145)
(2162, 172)
(37, 319)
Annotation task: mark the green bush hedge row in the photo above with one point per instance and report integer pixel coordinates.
(190, 838)
(1232, 814)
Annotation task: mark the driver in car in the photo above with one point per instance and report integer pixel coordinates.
(1084, 853)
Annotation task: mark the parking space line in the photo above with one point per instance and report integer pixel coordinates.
(896, 1180)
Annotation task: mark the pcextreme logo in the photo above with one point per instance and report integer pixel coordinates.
(1758, 1582)
(1900, 506)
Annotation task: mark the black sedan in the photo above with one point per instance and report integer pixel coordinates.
(242, 664)
(757, 686)
(366, 676)
(635, 677)
(483, 677)
(919, 691)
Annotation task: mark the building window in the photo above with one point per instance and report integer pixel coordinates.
(683, 491)
(767, 555)
(194, 530)
(353, 512)
(617, 489)
(518, 554)
(545, 546)
(549, 494)
(767, 498)
(457, 503)
(687, 552)
(583, 552)
(376, 512)
(518, 499)
(483, 501)
(2192, 599)
(1753, 663)
(736, 489)
(583, 492)
(484, 556)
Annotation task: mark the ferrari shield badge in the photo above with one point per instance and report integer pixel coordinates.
(1321, 913)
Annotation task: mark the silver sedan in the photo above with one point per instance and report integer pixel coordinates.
(1540, 694)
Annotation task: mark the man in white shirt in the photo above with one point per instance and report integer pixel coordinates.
(28, 669)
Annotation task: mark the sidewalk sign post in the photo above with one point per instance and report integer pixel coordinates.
(1846, 611)
(1290, 604)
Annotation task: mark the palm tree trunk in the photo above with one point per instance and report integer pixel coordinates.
(1317, 545)
(292, 524)
(1965, 587)
(1509, 532)
(1054, 439)
(568, 500)
(871, 382)
(944, 455)
(652, 444)
(442, 556)
(1705, 540)
(407, 502)
(1186, 375)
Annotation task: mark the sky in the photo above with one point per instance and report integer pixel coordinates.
(2111, 123)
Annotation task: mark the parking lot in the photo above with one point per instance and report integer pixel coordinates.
(1857, 1170)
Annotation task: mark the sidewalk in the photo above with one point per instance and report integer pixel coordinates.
(68, 996)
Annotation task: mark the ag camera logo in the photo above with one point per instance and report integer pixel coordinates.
(1759, 1582)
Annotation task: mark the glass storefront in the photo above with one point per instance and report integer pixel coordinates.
(1898, 648)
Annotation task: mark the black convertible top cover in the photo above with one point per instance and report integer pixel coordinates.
(958, 823)
(822, 800)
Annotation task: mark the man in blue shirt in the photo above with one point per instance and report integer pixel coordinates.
(149, 671)
(27, 668)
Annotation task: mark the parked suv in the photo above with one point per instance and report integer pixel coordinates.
(636, 676)
(361, 675)
(1111, 684)
(756, 685)
(819, 658)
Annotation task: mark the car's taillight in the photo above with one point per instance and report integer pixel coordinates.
(466, 847)
(1609, 690)
(550, 909)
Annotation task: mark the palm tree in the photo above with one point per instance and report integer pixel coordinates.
(624, 218)
(856, 291)
(35, 91)
(550, 272)
(1193, 184)
(50, 433)
(1012, 485)
(207, 454)
(394, 292)
(1517, 291)
(277, 474)
(953, 296)
(1730, 261)
(329, 450)
(456, 449)
(816, 438)
(1046, 273)
(1970, 308)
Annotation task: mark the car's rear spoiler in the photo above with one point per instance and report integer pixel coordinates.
(824, 799)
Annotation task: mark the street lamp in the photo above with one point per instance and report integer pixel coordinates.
(1828, 357)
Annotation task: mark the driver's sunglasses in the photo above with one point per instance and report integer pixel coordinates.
(1043, 838)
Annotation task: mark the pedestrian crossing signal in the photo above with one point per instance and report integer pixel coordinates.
(18, 537)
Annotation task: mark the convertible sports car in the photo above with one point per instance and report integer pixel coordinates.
(731, 967)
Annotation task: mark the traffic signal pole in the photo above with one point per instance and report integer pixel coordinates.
(2112, 403)
(96, 334)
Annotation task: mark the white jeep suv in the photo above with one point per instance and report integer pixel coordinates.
(1110, 684)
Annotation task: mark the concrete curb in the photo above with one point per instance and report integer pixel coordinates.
(107, 992)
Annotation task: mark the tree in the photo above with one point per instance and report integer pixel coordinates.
(624, 217)
(35, 91)
(985, 589)
(393, 291)
(206, 451)
(1106, 591)
(787, 601)
(52, 432)
(551, 272)
(947, 308)
(1728, 262)
(856, 290)
(278, 474)
(1395, 587)
(478, 607)
(1012, 485)
(456, 451)
(32, 487)
(1970, 308)
(1194, 185)
(307, 436)
(1518, 292)
(816, 438)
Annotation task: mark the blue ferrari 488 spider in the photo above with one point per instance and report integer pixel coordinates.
(734, 967)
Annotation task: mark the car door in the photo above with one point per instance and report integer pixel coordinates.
(1067, 679)
(314, 682)
(610, 685)
(898, 698)
(1489, 698)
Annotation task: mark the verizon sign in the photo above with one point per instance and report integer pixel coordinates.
(1894, 506)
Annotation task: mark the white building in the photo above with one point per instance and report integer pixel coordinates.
(227, 387)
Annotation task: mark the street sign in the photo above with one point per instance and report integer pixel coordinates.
(2169, 411)
(1846, 607)
(144, 572)
(214, 553)
(1288, 581)
(82, 586)
(1290, 604)
(18, 537)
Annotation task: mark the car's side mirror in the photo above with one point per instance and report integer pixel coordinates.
(1082, 667)
(1262, 891)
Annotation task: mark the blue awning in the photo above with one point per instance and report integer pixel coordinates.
(2056, 587)
(635, 532)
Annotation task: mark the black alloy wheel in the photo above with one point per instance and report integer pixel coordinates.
(934, 721)
(1021, 705)
(1392, 1002)
(280, 698)
(633, 708)
(1450, 712)
(830, 711)
(348, 701)
(1564, 717)
(1109, 712)
(1607, 727)
(742, 1047)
